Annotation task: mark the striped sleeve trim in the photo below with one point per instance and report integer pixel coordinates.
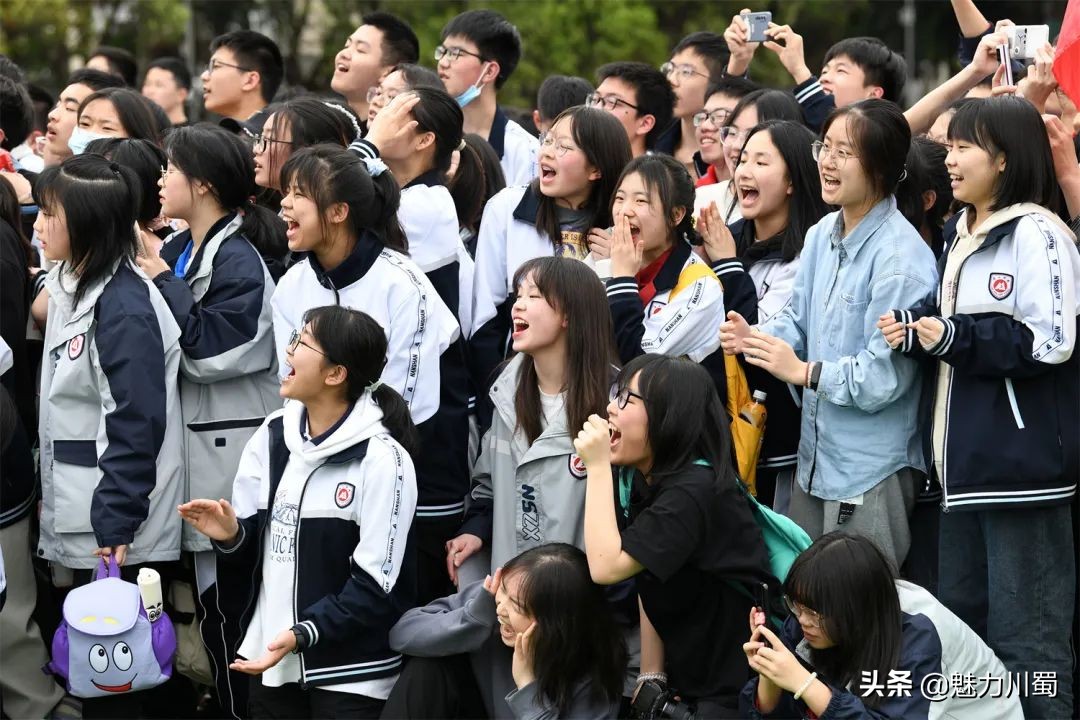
(728, 266)
(808, 92)
(309, 631)
(944, 343)
(622, 286)
(364, 149)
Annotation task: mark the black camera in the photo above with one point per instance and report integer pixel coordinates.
(654, 700)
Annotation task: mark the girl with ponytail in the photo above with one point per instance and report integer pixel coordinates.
(326, 477)
(341, 213)
(110, 424)
(664, 298)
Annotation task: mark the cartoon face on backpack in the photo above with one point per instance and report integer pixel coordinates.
(107, 645)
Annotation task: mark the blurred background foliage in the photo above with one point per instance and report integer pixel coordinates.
(48, 38)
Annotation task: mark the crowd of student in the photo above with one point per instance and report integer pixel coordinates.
(419, 415)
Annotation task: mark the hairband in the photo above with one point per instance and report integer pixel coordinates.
(346, 113)
(461, 145)
(903, 175)
(114, 167)
(373, 387)
(375, 166)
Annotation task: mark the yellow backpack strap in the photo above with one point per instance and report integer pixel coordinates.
(690, 275)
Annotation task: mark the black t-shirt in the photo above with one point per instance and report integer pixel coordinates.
(693, 536)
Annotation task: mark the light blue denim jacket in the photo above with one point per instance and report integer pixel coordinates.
(862, 423)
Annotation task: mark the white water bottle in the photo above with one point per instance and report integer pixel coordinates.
(150, 591)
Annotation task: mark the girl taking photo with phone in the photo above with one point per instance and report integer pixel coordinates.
(854, 628)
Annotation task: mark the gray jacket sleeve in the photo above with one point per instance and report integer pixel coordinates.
(452, 625)
(526, 704)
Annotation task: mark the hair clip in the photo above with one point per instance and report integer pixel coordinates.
(375, 166)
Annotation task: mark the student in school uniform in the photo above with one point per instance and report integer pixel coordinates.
(342, 217)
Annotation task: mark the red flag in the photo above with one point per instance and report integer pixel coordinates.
(1067, 53)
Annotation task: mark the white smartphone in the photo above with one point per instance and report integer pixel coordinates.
(1025, 39)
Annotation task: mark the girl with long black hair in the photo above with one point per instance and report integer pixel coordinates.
(568, 657)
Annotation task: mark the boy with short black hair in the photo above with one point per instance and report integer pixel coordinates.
(115, 61)
(640, 97)
(382, 42)
(698, 58)
(168, 83)
(478, 52)
(242, 77)
(557, 93)
(855, 69)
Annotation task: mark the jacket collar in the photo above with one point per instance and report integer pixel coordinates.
(353, 268)
(61, 283)
(668, 276)
(529, 206)
(432, 178)
(864, 230)
(224, 228)
(497, 135)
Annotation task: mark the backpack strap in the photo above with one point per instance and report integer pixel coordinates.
(690, 275)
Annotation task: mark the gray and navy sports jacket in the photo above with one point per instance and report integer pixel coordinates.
(109, 421)
(228, 371)
(1008, 424)
(353, 548)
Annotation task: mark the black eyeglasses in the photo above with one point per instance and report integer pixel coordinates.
(453, 52)
(608, 102)
(259, 144)
(622, 398)
(294, 341)
(716, 117)
(215, 64)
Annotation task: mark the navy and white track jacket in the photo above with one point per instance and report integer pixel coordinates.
(1006, 425)
(109, 421)
(353, 554)
(228, 372)
(425, 358)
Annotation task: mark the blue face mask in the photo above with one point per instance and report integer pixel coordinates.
(80, 138)
(473, 91)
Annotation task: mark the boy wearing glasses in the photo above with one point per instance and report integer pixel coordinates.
(697, 58)
(640, 97)
(244, 73)
(478, 52)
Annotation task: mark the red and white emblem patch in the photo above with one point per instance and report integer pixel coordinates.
(75, 346)
(577, 466)
(344, 494)
(1001, 285)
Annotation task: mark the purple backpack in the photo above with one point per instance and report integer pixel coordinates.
(106, 644)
